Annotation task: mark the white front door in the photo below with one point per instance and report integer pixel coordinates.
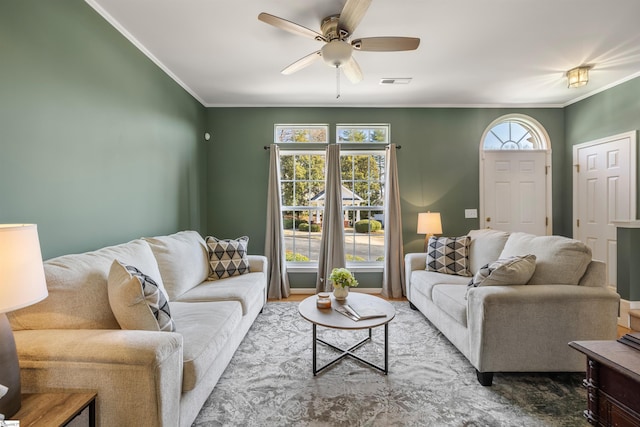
(514, 190)
(604, 192)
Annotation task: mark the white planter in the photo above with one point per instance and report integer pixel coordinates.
(340, 293)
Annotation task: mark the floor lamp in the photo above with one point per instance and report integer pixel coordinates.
(429, 223)
(22, 283)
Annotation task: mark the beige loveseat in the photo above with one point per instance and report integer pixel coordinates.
(518, 328)
(72, 339)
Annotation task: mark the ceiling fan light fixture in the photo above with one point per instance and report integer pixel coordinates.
(336, 53)
(578, 76)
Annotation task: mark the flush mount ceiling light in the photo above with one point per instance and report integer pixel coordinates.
(578, 76)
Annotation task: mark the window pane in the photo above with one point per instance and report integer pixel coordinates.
(511, 135)
(286, 167)
(287, 194)
(301, 133)
(362, 134)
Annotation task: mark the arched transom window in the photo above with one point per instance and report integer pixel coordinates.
(515, 132)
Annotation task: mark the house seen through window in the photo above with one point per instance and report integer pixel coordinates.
(302, 195)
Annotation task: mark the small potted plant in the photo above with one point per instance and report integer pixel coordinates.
(342, 280)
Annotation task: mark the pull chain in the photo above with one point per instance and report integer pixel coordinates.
(337, 81)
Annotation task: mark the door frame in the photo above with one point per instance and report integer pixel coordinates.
(632, 170)
(543, 137)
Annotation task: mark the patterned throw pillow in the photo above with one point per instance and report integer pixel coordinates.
(227, 257)
(136, 300)
(515, 270)
(449, 255)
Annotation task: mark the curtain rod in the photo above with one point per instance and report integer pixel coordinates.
(398, 147)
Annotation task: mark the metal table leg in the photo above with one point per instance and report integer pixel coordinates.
(349, 352)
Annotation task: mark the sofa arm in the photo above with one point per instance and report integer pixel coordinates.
(137, 374)
(412, 262)
(528, 327)
(257, 263)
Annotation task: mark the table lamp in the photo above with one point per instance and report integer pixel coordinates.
(22, 283)
(429, 223)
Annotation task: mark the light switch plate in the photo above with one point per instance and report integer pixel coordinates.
(471, 213)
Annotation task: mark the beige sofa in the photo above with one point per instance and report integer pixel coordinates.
(518, 328)
(72, 339)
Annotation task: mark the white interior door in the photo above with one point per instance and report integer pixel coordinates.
(514, 189)
(604, 192)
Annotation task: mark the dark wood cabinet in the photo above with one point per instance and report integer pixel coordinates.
(612, 381)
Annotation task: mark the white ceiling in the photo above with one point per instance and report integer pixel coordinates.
(472, 52)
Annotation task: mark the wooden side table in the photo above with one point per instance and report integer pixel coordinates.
(612, 382)
(55, 409)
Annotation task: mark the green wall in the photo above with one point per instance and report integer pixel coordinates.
(438, 163)
(614, 111)
(97, 144)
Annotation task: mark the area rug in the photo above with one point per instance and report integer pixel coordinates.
(270, 382)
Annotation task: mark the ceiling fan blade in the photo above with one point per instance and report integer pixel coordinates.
(352, 13)
(302, 62)
(292, 27)
(386, 44)
(352, 71)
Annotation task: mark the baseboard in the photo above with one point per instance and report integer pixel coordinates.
(625, 307)
(312, 291)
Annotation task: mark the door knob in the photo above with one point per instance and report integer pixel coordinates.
(488, 219)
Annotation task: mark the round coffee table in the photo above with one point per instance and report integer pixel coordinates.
(330, 318)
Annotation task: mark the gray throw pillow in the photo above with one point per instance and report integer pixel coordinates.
(515, 270)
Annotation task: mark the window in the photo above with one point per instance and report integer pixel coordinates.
(378, 134)
(363, 205)
(301, 133)
(302, 173)
(302, 184)
(514, 132)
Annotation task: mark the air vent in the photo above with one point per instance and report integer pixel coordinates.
(396, 81)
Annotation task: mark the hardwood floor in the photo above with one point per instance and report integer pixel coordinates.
(300, 297)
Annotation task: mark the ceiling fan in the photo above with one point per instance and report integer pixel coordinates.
(336, 34)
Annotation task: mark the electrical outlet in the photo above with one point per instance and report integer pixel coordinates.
(471, 213)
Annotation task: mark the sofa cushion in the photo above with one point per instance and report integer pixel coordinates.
(486, 246)
(137, 301)
(227, 257)
(205, 328)
(516, 270)
(449, 255)
(247, 289)
(452, 300)
(559, 260)
(77, 284)
(183, 261)
(423, 281)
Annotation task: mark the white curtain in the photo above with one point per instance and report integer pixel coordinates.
(332, 241)
(278, 280)
(393, 276)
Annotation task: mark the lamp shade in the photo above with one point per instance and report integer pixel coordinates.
(429, 223)
(22, 281)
